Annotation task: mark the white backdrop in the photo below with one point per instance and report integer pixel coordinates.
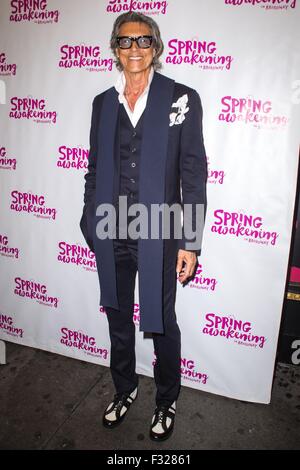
(242, 58)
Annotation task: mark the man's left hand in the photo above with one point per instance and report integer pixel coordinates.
(186, 263)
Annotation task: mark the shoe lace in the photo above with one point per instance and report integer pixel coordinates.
(161, 412)
(118, 401)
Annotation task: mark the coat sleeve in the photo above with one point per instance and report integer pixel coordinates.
(87, 218)
(193, 173)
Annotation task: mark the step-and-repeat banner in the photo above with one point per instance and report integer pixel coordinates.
(243, 59)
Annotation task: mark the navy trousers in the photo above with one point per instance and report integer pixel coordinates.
(167, 346)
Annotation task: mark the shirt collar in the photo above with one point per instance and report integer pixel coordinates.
(121, 82)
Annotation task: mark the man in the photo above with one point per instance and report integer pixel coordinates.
(146, 140)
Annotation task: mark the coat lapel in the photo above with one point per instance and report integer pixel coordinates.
(152, 191)
(105, 174)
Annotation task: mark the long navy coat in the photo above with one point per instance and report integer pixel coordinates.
(172, 155)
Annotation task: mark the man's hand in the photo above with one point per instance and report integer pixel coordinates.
(186, 263)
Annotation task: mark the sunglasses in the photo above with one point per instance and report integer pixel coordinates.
(143, 42)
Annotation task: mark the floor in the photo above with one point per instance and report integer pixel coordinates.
(49, 401)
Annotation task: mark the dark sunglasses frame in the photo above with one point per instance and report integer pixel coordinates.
(134, 39)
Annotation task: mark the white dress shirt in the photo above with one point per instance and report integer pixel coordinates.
(140, 105)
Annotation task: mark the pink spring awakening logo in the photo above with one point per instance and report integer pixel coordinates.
(87, 57)
(6, 68)
(202, 282)
(31, 203)
(34, 290)
(202, 53)
(266, 4)
(32, 10)
(214, 176)
(8, 327)
(151, 7)
(31, 108)
(251, 111)
(136, 313)
(6, 163)
(188, 370)
(77, 254)
(82, 341)
(72, 158)
(242, 225)
(6, 250)
(229, 328)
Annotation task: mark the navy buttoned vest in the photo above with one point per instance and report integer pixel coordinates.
(130, 142)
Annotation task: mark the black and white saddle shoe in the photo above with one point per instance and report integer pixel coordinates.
(163, 422)
(116, 410)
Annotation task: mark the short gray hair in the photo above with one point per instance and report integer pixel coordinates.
(133, 17)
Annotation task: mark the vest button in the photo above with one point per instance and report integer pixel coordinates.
(133, 150)
(132, 180)
(133, 164)
(134, 134)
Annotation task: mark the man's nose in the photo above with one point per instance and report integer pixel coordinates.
(134, 46)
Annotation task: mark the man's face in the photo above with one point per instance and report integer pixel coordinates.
(135, 59)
